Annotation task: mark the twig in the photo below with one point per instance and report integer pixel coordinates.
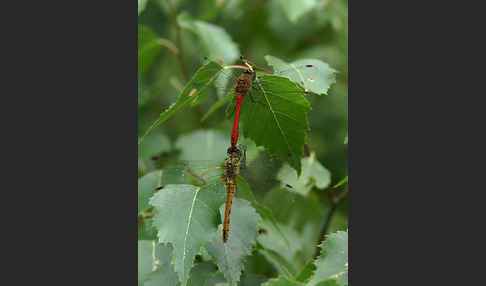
(197, 176)
(334, 204)
(178, 39)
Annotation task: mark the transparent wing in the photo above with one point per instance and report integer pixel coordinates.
(198, 172)
(259, 173)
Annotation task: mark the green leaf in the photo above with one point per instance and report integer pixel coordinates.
(216, 279)
(313, 174)
(216, 42)
(306, 272)
(201, 273)
(245, 192)
(203, 145)
(154, 144)
(317, 79)
(148, 48)
(295, 9)
(187, 217)
(277, 120)
(279, 262)
(342, 182)
(147, 186)
(218, 104)
(141, 5)
(146, 231)
(230, 256)
(203, 78)
(332, 263)
(330, 282)
(145, 249)
(282, 281)
(163, 272)
(252, 279)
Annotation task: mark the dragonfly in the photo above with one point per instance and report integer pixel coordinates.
(230, 174)
(247, 82)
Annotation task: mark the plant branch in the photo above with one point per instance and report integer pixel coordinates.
(334, 204)
(178, 39)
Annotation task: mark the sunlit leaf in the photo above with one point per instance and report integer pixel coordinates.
(230, 256)
(332, 263)
(187, 217)
(317, 79)
(313, 175)
(195, 87)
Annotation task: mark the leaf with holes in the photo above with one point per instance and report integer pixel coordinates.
(276, 118)
(332, 263)
(317, 79)
(196, 87)
(187, 216)
(230, 256)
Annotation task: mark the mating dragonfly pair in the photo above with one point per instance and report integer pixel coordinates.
(244, 84)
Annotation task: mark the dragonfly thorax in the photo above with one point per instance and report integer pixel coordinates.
(243, 84)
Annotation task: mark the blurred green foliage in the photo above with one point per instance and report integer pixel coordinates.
(175, 37)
